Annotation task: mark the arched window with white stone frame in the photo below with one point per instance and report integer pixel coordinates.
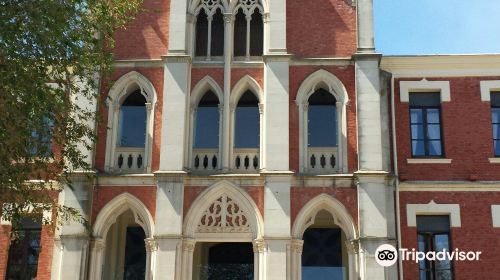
(129, 139)
(325, 241)
(207, 28)
(248, 36)
(123, 245)
(206, 126)
(321, 101)
(246, 104)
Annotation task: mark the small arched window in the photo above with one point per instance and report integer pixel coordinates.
(248, 32)
(247, 127)
(132, 121)
(207, 122)
(209, 32)
(322, 119)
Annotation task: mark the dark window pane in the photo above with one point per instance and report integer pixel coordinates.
(240, 34)
(434, 223)
(24, 251)
(247, 125)
(495, 99)
(229, 261)
(435, 148)
(201, 34)
(217, 40)
(132, 126)
(417, 148)
(256, 34)
(135, 254)
(207, 128)
(416, 116)
(207, 122)
(427, 99)
(417, 132)
(322, 254)
(322, 126)
(496, 145)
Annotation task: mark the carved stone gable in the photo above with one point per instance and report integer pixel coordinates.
(223, 215)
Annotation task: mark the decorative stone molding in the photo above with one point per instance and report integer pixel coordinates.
(297, 245)
(326, 202)
(487, 87)
(259, 246)
(223, 215)
(97, 244)
(428, 161)
(352, 246)
(223, 210)
(406, 87)
(188, 245)
(151, 245)
(432, 208)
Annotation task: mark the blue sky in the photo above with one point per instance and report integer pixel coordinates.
(437, 26)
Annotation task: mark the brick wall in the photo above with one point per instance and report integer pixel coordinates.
(345, 74)
(147, 35)
(320, 28)
(467, 134)
(475, 234)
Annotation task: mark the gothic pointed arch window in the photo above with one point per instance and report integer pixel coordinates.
(207, 133)
(130, 111)
(209, 29)
(247, 118)
(322, 101)
(248, 29)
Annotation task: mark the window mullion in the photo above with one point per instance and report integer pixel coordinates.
(209, 40)
(249, 19)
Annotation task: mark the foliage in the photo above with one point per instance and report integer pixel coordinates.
(52, 55)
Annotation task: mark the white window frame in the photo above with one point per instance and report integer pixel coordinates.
(407, 87)
(203, 86)
(433, 208)
(329, 82)
(244, 84)
(117, 94)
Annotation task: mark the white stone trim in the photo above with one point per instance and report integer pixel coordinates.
(117, 206)
(332, 84)
(432, 208)
(206, 198)
(306, 218)
(106, 218)
(406, 87)
(495, 215)
(117, 94)
(494, 160)
(428, 160)
(487, 87)
(340, 214)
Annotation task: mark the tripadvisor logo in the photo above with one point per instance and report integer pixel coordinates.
(387, 255)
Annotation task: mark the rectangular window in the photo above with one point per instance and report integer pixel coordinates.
(434, 235)
(495, 121)
(24, 251)
(425, 122)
